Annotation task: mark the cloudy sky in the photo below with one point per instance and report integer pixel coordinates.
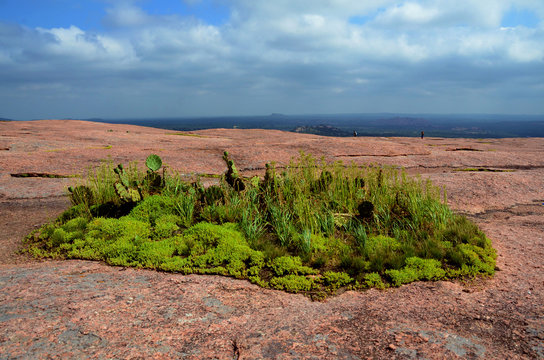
(169, 58)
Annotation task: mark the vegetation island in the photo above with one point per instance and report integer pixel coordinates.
(310, 227)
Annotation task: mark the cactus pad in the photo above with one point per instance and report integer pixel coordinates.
(153, 162)
(127, 194)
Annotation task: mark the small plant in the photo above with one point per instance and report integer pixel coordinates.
(81, 195)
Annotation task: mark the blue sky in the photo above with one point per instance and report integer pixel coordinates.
(143, 58)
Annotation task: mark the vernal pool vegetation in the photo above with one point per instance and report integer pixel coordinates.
(311, 227)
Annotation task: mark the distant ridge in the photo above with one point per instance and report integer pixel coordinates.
(381, 124)
(323, 130)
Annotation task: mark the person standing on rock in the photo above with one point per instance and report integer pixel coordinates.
(422, 134)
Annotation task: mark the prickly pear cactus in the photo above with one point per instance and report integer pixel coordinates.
(127, 194)
(153, 182)
(153, 162)
(123, 177)
(126, 191)
(232, 177)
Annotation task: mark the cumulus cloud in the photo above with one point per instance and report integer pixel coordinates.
(126, 15)
(306, 56)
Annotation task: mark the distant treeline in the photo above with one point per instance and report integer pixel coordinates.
(468, 126)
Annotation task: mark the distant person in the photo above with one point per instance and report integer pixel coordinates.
(355, 133)
(422, 134)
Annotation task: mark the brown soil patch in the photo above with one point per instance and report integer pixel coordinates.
(81, 309)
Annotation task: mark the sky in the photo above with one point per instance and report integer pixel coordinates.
(184, 58)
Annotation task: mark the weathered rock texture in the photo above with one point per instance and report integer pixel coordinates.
(81, 309)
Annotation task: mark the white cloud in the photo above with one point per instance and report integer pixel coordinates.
(126, 14)
(410, 12)
(303, 54)
(74, 43)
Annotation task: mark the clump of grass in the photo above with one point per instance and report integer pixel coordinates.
(315, 228)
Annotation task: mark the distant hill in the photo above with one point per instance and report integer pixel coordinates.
(324, 130)
(382, 124)
(403, 122)
(4, 119)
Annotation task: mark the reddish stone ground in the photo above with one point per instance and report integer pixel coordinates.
(81, 309)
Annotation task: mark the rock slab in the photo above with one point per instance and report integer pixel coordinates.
(82, 309)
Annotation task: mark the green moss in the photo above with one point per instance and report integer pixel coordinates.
(210, 176)
(374, 280)
(105, 147)
(222, 245)
(475, 260)
(293, 283)
(417, 269)
(73, 212)
(336, 280)
(165, 226)
(155, 253)
(122, 252)
(427, 269)
(152, 208)
(76, 224)
(284, 265)
(110, 229)
(383, 252)
(403, 276)
(330, 246)
(58, 237)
